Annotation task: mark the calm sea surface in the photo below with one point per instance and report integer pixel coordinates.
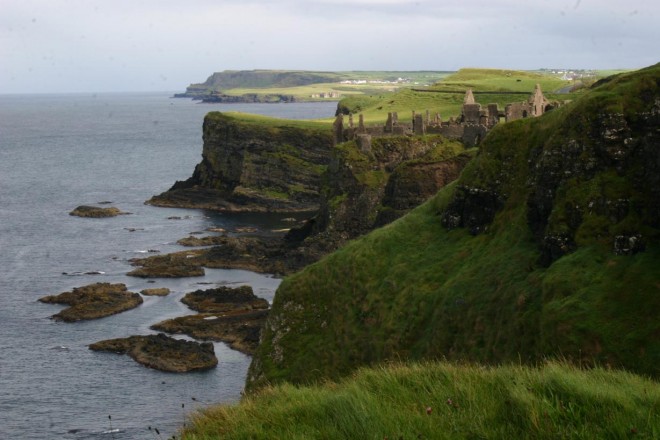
(61, 151)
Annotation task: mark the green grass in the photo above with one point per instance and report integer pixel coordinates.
(445, 401)
(415, 290)
(498, 80)
(270, 122)
(376, 106)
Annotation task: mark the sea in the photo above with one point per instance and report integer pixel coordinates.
(63, 150)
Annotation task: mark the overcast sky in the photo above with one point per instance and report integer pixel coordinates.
(143, 45)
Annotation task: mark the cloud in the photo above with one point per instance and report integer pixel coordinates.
(77, 45)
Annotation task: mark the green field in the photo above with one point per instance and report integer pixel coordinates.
(302, 85)
(437, 98)
(445, 401)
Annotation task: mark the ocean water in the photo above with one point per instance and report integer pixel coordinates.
(61, 151)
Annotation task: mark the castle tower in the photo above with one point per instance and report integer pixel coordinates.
(469, 97)
(537, 102)
(471, 113)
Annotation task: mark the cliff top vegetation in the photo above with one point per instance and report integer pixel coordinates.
(446, 401)
(446, 96)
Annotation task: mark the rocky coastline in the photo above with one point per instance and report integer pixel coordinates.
(231, 315)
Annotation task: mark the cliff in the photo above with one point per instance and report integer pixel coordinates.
(548, 245)
(254, 163)
(234, 79)
(368, 187)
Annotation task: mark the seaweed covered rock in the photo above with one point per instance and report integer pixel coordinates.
(240, 330)
(93, 301)
(174, 265)
(162, 352)
(224, 299)
(96, 212)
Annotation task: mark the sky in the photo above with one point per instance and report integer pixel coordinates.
(70, 46)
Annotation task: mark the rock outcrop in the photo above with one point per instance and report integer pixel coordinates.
(255, 165)
(231, 315)
(93, 301)
(361, 190)
(175, 265)
(240, 331)
(96, 212)
(224, 300)
(162, 352)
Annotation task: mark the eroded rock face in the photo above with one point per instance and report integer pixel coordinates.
(162, 352)
(368, 189)
(255, 167)
(96, 212)
(593, 179)
(93, 301)
(472, 208)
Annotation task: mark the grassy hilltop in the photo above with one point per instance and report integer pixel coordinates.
(514, 261)
(446, 96)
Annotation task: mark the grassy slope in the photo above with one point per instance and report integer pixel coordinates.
(465, 401)
(415, 290)
(265, 122)
(376, 106)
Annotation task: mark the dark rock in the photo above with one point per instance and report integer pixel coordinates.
(210, 240)
(96, 212)
(93, 301)
(224, 299)
(162, 352)
(241, 330)
(164, 271)
(628, 244)
(254, 167)
(472, 208)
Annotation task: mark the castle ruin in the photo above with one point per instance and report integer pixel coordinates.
(470, 127)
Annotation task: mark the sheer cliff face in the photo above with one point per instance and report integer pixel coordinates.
(255, 164)
(264, 161)
(367, 189)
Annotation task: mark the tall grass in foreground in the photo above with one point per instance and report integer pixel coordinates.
(446, 401)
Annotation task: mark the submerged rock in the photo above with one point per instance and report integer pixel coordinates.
(96, 212)
(93, 301)
(161, 291)
(162, 352)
